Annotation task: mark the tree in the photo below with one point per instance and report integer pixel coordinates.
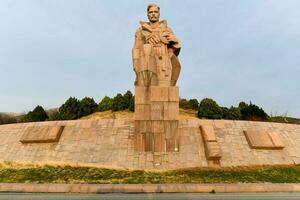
(105, 104)
(243, 105)
(38, 114)
(131, 106)
(193, 104)
(209, 109)
(118, 103)
(54, 116)
(70, 109)
(252, 112)
(232, 113)
(183, 103)
(127, 99)
(87, 106)
(188, 103)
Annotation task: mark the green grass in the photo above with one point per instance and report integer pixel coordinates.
(68, 174)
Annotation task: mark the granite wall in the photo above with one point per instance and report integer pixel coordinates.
(110, 143)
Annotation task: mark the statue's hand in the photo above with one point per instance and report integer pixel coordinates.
(170, 37)
(153, 39)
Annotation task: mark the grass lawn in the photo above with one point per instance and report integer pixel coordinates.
(68, 174)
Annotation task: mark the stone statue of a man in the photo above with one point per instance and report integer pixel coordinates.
(155, 52)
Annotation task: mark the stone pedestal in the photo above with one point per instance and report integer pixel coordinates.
(156, 118)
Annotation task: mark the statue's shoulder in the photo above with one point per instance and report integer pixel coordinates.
(140, 28)
(143, 23)
(163, 23)
(138, 31)
(145, 26)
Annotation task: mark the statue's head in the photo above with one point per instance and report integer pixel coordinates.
(153, 13)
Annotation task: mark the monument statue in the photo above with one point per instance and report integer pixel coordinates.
(157, 69)
(155, 52)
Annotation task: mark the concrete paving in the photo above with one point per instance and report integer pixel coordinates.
(178, 196)
(149, 188)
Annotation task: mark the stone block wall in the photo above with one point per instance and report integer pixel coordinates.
(156, 119)
(111, 143)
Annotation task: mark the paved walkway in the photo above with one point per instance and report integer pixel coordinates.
(148, 188)
(151, 196)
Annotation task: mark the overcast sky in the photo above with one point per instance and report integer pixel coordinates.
(232, 50)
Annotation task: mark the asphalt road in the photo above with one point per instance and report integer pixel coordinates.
(178, 196)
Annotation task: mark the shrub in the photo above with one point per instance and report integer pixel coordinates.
(105, 104)
(70, 109)
(7, 119)
(284, 119)
(87, 106)
(38, 114)
(209, 109)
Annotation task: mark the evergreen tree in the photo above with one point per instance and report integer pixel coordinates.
(70, 109)
(193, 104)
(87, 106)
(55, 116)
(232, 113)
(38, 114)
(105, 104)
(131, 106)
(209, 109)
(252, 112)
(127, 99)
(119, 103)
(183, 103)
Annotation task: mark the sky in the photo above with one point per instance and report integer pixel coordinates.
(232, 51)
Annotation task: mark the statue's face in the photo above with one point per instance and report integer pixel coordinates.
(153, 14)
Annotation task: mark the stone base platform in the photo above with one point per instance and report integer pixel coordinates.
(110, 143)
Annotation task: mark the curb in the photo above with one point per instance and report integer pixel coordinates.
(149, 188)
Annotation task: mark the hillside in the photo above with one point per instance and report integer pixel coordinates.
(183, 114)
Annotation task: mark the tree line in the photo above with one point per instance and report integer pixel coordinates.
(74, 108)
(207, 108)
